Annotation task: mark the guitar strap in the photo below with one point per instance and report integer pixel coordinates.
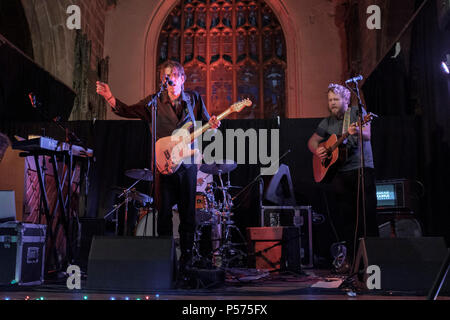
(346, 124)
(190, 111)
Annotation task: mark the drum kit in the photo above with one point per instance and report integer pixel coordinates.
(217, 214)
(213, 210)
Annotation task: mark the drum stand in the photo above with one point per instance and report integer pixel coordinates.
(227, 251)
(127, 194)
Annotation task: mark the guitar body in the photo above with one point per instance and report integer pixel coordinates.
(322, 167)
(172, 151)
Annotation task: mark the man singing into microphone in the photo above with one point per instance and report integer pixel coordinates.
(343, 118)
(175, 108)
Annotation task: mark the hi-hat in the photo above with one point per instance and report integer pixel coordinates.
(133, 194)
(218, 168)
(140, 174)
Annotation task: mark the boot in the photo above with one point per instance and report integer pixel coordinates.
(184, 280)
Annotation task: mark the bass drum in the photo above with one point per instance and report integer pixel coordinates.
(144, 226)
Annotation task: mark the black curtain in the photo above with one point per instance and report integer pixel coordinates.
(122, 145)
(429, 45)
(418, 94)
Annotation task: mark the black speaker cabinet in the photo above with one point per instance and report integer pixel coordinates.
(131, 263)
(90, 227)
(406, 264)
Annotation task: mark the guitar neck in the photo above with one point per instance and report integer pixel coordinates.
(367, 120)
(340, 141)
(197, 133)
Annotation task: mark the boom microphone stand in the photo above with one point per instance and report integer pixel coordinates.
(153, 105)
(362, 160)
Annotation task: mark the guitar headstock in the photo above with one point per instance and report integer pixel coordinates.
(369, 118)
(239, 106)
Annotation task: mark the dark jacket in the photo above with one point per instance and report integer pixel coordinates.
(167, 120)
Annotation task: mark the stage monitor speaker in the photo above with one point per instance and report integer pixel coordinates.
(406, 264)
(90, 227)
(131, 263)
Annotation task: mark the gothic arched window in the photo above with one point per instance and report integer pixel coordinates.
(230, 50)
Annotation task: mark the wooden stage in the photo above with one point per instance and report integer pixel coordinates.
(311, 285)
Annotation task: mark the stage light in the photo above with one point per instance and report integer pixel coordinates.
(446, 64)
(112, 298)
(157, 296)
(85, 297)
(147, 298)
(445, 67)
(127, 298)
(7, 298)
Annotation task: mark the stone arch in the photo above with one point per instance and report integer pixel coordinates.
(164, 7)
(52, 42)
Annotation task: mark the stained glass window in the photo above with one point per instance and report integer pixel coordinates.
(230, 50)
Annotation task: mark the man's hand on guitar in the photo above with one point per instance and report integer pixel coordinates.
(353, 129)
(321, 152)
(214, 122)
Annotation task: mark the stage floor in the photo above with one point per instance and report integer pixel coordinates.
(240, 284)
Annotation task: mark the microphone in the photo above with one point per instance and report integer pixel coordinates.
(168, 81)
(355, 79)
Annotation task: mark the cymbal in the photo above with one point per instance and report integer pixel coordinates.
(140, 174)
(216, 168)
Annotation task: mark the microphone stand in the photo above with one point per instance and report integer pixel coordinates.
(361, 177)
(153, 104)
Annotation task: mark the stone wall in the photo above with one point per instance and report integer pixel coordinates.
(54, 45)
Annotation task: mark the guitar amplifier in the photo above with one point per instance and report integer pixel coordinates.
(292, 216)
(275, 248)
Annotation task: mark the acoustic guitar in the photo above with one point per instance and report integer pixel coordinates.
(322, 167)
(172, 151)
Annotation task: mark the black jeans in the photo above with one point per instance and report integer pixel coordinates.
(345, 189)
(178, 188)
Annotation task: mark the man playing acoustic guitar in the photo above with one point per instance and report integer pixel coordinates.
(176, 107)
(345, 177)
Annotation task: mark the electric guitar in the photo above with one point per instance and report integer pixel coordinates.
(172, 151)
(321, 167)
